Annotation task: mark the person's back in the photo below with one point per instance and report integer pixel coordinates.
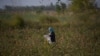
(51, 36)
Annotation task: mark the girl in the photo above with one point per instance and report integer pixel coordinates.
(51, 36)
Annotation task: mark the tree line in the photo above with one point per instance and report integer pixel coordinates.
(60, 7)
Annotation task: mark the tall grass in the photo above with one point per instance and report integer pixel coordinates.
(48, 19)
(79, 36)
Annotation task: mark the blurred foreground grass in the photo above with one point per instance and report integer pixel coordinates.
(77, 35)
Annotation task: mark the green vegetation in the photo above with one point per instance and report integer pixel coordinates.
(82, 5)
(48, 19)
(16, 21)
(76, 35)
(60, 7)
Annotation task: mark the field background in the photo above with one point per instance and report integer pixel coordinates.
(77, 34)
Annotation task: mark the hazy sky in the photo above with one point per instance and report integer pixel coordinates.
(30, 2)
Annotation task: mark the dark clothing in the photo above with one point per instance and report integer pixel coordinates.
(52, 35)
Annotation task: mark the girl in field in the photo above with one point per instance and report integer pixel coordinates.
(51, 36)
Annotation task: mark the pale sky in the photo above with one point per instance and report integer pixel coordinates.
(31, 2)
(28, 2)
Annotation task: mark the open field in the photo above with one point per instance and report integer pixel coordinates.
(77, 34)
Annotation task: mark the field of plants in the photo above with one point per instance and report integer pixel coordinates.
(77, 34)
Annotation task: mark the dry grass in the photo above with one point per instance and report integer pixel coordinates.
(75, 37)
